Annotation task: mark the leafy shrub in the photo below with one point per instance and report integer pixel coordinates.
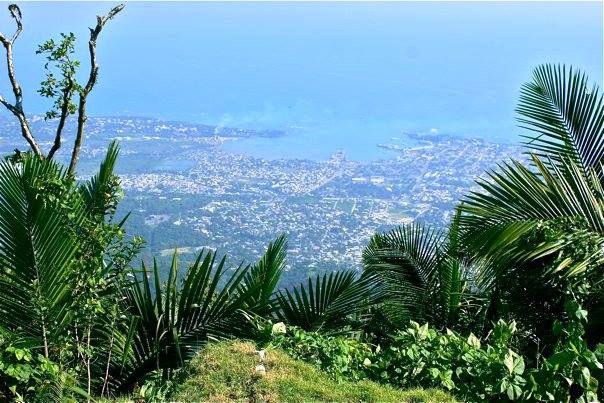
(418, 357)
(156, 388)
(569, 371)
(471, 369)
(424, 356)
(342, 358)
(27, 376)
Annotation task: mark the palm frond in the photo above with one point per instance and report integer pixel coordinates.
(409, 252)
(566, 116)
(516, 193)
(262, 279)
(451, 285)
(37, 244)
(325, 302)
(424, 271)
(98, 190)
(404, 261)
(517, 201)
(177, 317)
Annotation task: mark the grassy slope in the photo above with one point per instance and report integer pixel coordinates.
(226, 372)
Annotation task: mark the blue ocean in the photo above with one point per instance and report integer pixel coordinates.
(332, 75)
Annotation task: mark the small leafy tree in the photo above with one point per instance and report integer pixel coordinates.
(60, 84)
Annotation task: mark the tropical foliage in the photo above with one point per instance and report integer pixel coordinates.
(541, 227)
(342, 358)
(175, 318)
(331, 301)
(62, 262)
(426, 275)
(471, 368)
(504, 292)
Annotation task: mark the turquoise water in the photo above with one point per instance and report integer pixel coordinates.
(359, 140)
(333, 75)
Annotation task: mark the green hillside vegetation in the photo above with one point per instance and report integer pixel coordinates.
(227, 371)
(507, 303)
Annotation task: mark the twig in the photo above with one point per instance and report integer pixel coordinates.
(106, 378)
(87, 362)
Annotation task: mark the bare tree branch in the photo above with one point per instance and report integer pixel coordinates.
(65, 100)
(17, 108)
(94, 70)
(15, 12)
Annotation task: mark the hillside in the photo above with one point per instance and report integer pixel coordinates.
(227, 371)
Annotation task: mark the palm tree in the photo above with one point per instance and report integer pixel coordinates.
(425, 274)
(172, 320)
(541, 227)
(55, 272)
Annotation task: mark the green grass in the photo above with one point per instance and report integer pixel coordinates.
(226, 372)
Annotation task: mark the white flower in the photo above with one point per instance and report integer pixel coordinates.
(367, 362)
(261, 354)
(279, 328)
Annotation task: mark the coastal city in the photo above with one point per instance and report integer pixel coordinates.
(185, 192)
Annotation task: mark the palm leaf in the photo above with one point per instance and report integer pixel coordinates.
(566, 116)
(98, 190)
(517, 200)
(262, 279)
(177, 317)
(408, 251)
(325, 302)
(37, 245)
(405, 261)
(451, 285)
(520, 194)
(425, 272)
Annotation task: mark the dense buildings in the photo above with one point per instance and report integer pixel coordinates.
(185, 191)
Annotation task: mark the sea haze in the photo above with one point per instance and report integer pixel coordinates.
(332, 75)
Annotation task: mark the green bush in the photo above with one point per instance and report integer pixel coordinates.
(474, 371)
(418, 357)
(572, 371)
(471, 369)
(27, 376)
(340, 357)
(421, 356)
